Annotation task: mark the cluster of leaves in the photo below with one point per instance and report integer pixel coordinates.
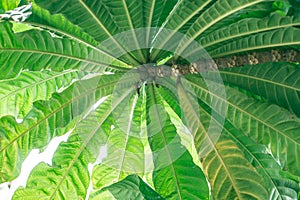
(227, 134)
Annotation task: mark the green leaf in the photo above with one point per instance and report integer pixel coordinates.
(125, 146)
(226, 177)
(278, 82)
(17, 95)
(212, 15)
(182, 12)
(247, 27)
(266, 124)
(67, 178)
(41, 124)
(278, 185)
(36, 50)
(93, 17)
(59, 25)
(70, 175)
(230, 174)
(132, 187)
(175, 175)
(270, 39)
(6, 5)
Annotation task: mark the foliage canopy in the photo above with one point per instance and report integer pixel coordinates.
(188, 99)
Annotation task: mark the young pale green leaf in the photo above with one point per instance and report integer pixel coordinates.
(230, 174)
(67, 178)
(175, 175)
(36, 50)
(270, 39)
(225, 177)
(69, 175)
(277, 184)
(125, 146)
(41, 124)
(17, 95)
(280, 82)
(267, 124)
(132, 187)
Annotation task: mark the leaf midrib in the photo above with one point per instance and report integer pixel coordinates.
(75, 38)
(179, 25)
(192, 38)
(245, 147)
(36, 83)
(249, 33)
(165, 142)
(93, 62)
(214, 148)
(107, 32)
(247, 113)
(54, 112)
(258, 79)
(130, 121)
(269, 46)
(88, 140)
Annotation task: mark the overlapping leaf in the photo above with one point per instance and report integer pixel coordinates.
(267, 124)
(277, 182)
(41, 124)
(227, 178)
(125, 146)
(18, 94)
(71, 157)
(212, 15)
(271, 39)
(175, 175)
(133, 187)
(248, 26)
(36, 50)
(277, 82)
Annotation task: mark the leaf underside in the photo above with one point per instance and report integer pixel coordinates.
(138, 131)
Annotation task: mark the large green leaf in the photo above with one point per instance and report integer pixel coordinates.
(125, 146)
(212, 15)
(247, 27)
(59, 25)
(182, 12)
(231, 175)
(41, 124)
(220, 155)
(94, 17)
(36, 50)
(132, 187)
(65, 181)
(278, 82)
(267, 124)
(270, 39)
(61, 180)
(175, 175)
(18, 94)
(278, 184)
